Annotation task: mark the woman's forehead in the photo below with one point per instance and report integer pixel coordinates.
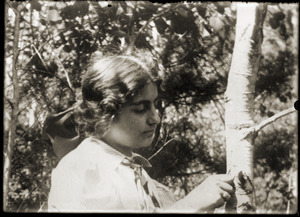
(149, 92)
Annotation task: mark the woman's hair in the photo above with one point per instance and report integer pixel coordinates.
(109, 83)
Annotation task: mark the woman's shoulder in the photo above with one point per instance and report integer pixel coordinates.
(90, 153)
(82, 156)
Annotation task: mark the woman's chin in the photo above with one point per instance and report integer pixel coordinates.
(144, 144)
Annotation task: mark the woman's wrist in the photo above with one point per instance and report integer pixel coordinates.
(192, 204)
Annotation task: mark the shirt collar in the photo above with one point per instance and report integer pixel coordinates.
(111, 155)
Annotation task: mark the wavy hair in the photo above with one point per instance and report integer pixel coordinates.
(109, 83)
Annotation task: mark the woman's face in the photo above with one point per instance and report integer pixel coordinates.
(134, 126)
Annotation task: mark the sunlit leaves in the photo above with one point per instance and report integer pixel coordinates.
(54, 16)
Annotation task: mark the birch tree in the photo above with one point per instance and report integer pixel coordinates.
(240, 127)
(14, 103)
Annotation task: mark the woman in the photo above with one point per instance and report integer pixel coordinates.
(118, 114)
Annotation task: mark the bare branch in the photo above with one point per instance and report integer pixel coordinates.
(39, 55)
(66, 73)
(47, 42)
(289, 189)
(51, 74)
(218, 109)
(11, 6)
(161, 148)
(148, 22)
(273, 118)
(9, 101)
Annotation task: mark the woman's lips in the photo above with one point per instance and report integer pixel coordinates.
(149, 133)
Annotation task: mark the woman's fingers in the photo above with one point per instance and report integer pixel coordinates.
(225, 187)
(213, 192)
(225, 178)
(225, 195)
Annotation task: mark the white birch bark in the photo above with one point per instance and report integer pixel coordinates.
(239, 98)
(8, 153)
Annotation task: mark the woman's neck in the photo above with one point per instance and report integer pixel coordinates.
(127, 151)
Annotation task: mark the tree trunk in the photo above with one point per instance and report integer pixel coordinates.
(239, 100)
(14, 113)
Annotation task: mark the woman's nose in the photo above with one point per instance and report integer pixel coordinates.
(153, 116)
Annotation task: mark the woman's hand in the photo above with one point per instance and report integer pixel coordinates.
(215, 191)
(212, 193)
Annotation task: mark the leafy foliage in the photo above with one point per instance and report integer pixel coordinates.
(191, 44)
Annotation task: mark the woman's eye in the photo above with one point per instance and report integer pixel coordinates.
(139, 108)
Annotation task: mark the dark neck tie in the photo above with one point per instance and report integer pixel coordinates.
(136, 163)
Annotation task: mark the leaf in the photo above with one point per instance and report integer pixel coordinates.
(119, 11)
(161, 25)
(178, 24)
(147, 11)
(216, 23)
(36, 5)
(63, 38)
(54, 16)
(60, 5)
(183, 12)
(279, 16)
(141, 41)
(221, 6)
(282, 31)
(82, 7)
(121, 33)
(69, 12)
(67, 48)
(183, 20)
(123, 5)
(43, 22)
(273, 23)
(202, 10)
(52, 67)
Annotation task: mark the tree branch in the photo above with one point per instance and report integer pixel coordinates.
(11, 6)
(148, 22)
(218, 109)
(8, 153)
(159, 150)
(39, 55)
(47, 42)
(270, 120)
(9, 101)
(66, 74)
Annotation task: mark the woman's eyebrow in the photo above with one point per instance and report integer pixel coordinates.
(143, 102)
(140, 102)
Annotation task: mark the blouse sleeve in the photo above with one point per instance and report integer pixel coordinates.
(81, 188)
(167, 198)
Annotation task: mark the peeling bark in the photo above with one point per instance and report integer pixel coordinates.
(239, 98)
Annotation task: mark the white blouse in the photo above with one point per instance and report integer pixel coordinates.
(92, 178)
